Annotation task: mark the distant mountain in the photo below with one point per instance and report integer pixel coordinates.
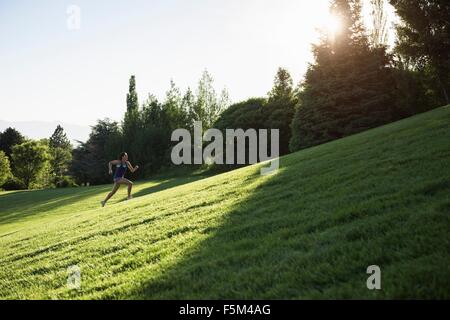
(44, 129)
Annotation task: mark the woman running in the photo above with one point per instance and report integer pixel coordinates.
(121, 167)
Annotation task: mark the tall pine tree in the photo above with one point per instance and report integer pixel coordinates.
(131, 121)
(279, 110)
(424, 38)
(60, 154)
(349, 87)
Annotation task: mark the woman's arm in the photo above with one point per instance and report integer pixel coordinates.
(131, 167)
(110, 165)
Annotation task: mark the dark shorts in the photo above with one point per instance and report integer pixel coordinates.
(117, 179)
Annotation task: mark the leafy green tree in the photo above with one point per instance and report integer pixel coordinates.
(245, 115)
(145, 132)
(349, 88)
(45, 178)
(275, 112)
(188, 104)
(208, 107)
(248, 114)
(175, 109)
(80, 167)
(61, 154)
(30, 159)
(5, 170)
(424, 37)
(224, 102)
(154, 138)
(90, 159)
(9, 138)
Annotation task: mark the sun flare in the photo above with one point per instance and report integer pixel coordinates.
(332, 24)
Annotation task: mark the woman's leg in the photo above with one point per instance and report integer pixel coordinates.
(128, 183)
(113, 191)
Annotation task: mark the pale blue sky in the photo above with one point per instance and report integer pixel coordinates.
(49, 72)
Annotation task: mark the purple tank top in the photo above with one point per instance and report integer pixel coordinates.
(120, 170)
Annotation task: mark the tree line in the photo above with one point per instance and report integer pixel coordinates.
(29, 164)
(355, 83)
(145, 131)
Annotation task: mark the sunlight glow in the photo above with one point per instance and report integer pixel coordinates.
(331, 25)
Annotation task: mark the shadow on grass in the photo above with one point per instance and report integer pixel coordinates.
(312, 229)
(18, 205)
(251, 254)
(168, 183)
(8, 193)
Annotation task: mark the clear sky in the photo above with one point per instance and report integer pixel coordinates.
(51, 72)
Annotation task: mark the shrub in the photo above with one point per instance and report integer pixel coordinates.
(66, 182)
(13, 183)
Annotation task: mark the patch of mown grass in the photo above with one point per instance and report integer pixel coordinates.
(308, 231)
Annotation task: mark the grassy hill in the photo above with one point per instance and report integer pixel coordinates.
(308, 231)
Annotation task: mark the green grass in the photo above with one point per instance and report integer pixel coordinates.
(39, 206)
(308, 231)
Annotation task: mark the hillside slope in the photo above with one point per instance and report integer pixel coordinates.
(308, 231)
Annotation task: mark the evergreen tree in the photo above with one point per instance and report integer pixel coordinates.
(132, 98)
(59, 139)
(61, 154)
(348, 89)
(424, 38)
(280, 108)
(131, 122)
(414, 89)
(282, 87)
